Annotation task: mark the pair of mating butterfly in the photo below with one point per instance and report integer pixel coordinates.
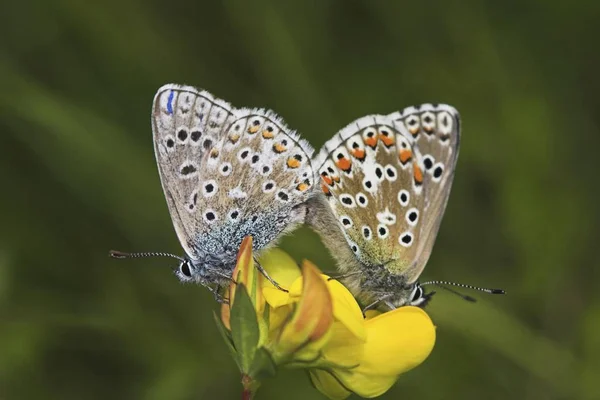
(376, 192)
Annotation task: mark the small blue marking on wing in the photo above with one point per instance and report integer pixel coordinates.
(170, 102)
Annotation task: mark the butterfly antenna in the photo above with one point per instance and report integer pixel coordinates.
(120, 254)
(444, 285)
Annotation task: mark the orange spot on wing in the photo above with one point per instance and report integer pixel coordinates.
(253, 129)
(327, 179)
(279, 148)
(214, 153)
(414, 130)
(293, 163)
(405, 155)
(387, 140)
(359, 153)
(417, 174)
(344, 164)
(302, 187)
(336, 179)
(371, 141)
(234, 138)
(268, 135)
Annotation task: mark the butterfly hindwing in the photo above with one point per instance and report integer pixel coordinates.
(186, 125)
(387, 181)
(222, 167)
(435, 130)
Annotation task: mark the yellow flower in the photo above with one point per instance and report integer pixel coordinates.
(397, 341)
(318, 325)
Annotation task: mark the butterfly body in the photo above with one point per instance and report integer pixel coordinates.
(385, 181)
(226, 173)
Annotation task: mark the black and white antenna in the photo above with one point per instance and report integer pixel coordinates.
(120, 254)
(444, 285)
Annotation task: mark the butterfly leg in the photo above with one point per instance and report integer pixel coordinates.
(218, 296)
(266, 275)
(338, 277)
(376, 302)
(221, 274)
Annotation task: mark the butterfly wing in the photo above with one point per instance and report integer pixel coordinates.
(387, 203)
(435, 130)
(227, 172)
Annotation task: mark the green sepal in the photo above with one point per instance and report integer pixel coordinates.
(244, 328)
(227, 338)
(263, 365)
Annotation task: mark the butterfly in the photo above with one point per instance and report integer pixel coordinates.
(385, 181)
(226, 173)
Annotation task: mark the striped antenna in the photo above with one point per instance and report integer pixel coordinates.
(120, 254)
(444, 285)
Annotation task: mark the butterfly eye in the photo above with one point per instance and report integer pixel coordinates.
(184, 269)
(417, 296)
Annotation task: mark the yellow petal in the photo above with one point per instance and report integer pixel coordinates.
(328, 385)
(346, 309)
(343, 348)
(280, 266)
(397, 341)
(277, 298)
(284, 270)
(277, 316)
(312, 318)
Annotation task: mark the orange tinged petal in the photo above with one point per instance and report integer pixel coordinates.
(313, 316)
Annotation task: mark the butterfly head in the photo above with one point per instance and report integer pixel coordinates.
(418, 297)
(185, 271)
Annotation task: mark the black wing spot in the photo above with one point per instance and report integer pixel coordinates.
(196, 136)
(283, 196)
(428, 162)
(188, 169)
(182, 134)
(412, 216)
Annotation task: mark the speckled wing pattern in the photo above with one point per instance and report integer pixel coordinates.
(387, 180)
(226, 172)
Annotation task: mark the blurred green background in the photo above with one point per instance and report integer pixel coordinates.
(78, 178)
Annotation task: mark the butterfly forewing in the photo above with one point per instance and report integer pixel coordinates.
(222, 167)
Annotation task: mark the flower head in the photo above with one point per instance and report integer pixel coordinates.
(318, 325)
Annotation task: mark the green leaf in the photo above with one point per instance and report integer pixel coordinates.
(227, 338)
(263, 365)
(244, 327)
